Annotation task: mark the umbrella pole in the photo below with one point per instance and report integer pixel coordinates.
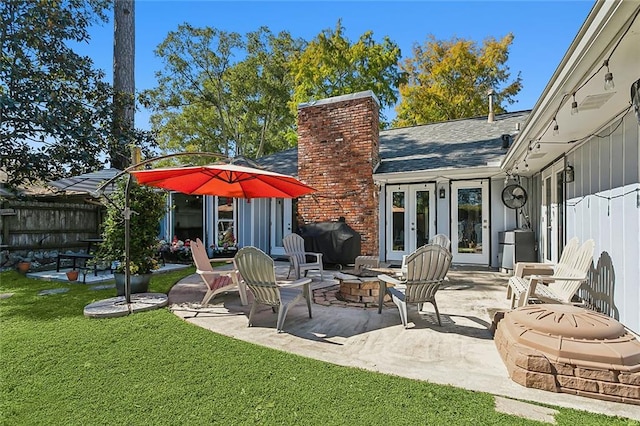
(127, 231)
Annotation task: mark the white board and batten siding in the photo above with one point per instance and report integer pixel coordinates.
(253, 223)
(603, 203)
(502, 219)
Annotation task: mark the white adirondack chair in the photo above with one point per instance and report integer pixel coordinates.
(217, 282)
(562, 285)
(525, 269)
(438, 239)
(299, 259)
(441, 240)
(258, 273)
(426, 270)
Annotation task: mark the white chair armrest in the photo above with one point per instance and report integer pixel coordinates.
(318, 256)
(537, 268)
(390, 280)
(551, 278)
(296, 283)
(221, 260)
(221, 273)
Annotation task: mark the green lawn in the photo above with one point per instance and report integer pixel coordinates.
(60, 368)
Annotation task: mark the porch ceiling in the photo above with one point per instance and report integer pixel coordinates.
(612, 30)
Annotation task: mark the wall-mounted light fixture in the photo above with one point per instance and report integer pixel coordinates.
(442, 192)
(569, 175)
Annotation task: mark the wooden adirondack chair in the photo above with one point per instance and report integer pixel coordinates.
(562, 285)
(299, 259)
(258, 272)
(426, 270)
(216, 281)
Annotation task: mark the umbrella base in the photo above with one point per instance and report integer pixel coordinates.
(118, 306)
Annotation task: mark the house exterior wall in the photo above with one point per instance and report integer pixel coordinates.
(502, 219)
(253, 223)
(603, 203)
(443, 208)
(533, 185)
(337, 153)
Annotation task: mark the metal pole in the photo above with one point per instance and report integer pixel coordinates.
(127, 231)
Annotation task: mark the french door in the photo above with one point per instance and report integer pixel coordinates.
(410, 218)
(552, 218)
(281, 223)
(470, 222)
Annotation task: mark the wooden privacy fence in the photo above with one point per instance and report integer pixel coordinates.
(42, 229)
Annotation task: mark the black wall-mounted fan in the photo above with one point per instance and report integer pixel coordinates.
(514, 196)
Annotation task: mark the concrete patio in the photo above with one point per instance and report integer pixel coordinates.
(461, 352)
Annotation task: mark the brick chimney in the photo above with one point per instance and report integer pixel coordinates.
(337, 153)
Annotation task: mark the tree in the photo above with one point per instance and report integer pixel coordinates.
(331, 65)
(207, 100)
(448, 80)
(265, 72)
(123, 83)
(55, 107)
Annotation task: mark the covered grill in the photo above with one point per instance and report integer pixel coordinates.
(337, 241)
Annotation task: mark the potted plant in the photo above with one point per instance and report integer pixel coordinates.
(24, 265)
(148, 207)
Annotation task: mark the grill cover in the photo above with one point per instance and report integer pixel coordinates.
(337, 241)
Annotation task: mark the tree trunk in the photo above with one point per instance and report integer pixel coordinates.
(123, 82)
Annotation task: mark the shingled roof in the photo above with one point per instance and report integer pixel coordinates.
(468, 142)
(463, 143)
(285, 162)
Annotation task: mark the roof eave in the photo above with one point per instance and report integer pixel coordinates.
(444, 173)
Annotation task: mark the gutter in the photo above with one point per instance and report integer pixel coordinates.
(481, 172)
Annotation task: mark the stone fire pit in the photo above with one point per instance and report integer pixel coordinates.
(563, 348)
(359, 287)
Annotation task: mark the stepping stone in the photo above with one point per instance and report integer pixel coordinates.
(53, 291)
(6, 295)
(102, 287)
(118, 307)
(526, 410)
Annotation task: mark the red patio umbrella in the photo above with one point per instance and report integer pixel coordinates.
(224, 180)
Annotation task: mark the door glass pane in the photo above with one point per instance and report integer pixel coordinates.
(548, 231)
(560, 203)
(397, 220)
(226, 235)
(298, 222)
(470, 220)
(422, 218)
(187, 217)
(279, 222)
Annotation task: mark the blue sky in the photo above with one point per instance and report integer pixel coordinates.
(543, 30)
